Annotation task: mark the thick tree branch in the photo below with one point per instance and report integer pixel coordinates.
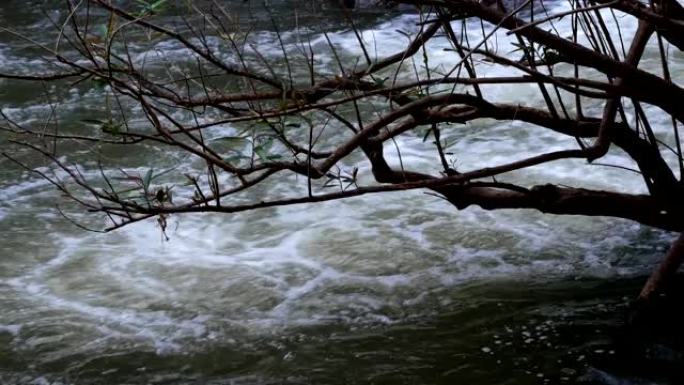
(553, 199)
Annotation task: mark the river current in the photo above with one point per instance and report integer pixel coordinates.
(398, 288)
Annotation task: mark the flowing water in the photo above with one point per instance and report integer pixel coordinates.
(395, 289)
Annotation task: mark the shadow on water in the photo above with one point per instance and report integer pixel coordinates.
(494, 332)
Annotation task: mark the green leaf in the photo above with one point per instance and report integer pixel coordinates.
(427, 134)
(93, 121)
(147, 179)
(157, 175)
(283, 105)
(100, 83)
(157, 5)
(111, 127)
(169, 195)
(104, 31)
(379, 82)
(262, 149)
(235, 158)
(231, 139)
(263, 155)
(148, 7)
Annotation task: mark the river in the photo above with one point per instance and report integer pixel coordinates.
(398, 288)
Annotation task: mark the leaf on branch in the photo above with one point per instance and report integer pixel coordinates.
(231, 139)
(164, 195)
(147, 179)
(427, 134)
(262, 150)
(151, 7)
(378, 81)
(107, 126)
(100, 83)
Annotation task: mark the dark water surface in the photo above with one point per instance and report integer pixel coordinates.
(503, 332)
(399, 289)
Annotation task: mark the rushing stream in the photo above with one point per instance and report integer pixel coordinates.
(394, 289)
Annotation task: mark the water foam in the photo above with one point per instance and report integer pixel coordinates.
(361, 261)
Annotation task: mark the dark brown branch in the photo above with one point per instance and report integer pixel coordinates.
(662, 276)
(553, 199)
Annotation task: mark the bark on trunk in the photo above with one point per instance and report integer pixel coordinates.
(658, 281)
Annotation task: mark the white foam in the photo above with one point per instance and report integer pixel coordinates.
(11, 329)
(360, 261)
